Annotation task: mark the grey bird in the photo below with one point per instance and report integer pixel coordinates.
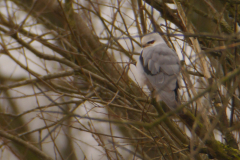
(159, 65)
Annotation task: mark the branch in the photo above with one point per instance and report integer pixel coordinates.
(25, 144)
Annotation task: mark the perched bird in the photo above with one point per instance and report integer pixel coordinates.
(159, 66)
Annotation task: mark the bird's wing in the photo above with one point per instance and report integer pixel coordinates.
(161, 65)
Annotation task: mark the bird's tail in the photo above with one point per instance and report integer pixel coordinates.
(168, 97)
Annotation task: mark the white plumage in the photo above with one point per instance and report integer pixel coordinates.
(159, 66)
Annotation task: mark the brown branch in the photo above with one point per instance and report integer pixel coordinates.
(25, 144)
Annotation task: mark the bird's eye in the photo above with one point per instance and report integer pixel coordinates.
(151, 42)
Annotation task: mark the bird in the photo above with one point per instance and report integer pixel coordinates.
(159, 67)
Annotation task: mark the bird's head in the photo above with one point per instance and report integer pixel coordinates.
(151, 39)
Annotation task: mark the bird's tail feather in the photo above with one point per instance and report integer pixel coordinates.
(169, 97)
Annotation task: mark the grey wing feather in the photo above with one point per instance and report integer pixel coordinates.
(162, 67)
